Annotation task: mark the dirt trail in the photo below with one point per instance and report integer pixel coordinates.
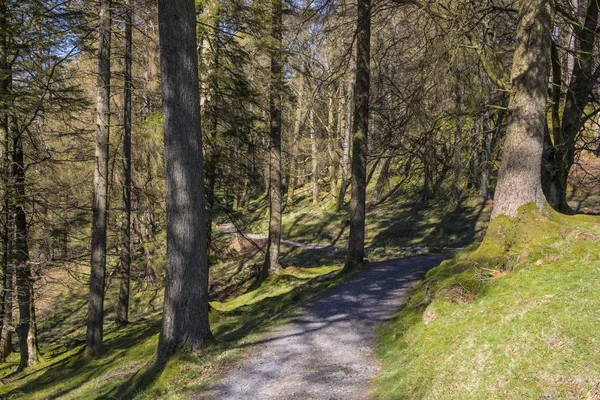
(326, 352)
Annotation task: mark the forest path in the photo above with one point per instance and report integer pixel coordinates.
(327, 350)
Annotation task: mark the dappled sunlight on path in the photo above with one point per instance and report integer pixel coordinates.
(326, 351)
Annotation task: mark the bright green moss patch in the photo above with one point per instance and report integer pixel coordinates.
(518, 318)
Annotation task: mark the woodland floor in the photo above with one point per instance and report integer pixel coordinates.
(327, 350)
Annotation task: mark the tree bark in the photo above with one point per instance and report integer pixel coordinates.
(458, 144)
(519, 179)
(213, 152)
(293, 179)
(185, 314)
(6, 317)
(560, 152)
(271, 263)
(26, 328)
(333, 144)
(125, 259)
(346, 148)
(314, 155)
(485, 159)
(360, 131)
(95, 324)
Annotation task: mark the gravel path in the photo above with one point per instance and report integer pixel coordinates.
(326, 352)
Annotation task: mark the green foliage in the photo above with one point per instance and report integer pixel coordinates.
(516, 318)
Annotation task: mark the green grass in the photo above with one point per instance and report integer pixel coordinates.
(394, 228)
(126, 371)
(517, 318)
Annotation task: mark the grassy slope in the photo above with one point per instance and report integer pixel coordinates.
(529, 330)
(123, 372)
(393, 228)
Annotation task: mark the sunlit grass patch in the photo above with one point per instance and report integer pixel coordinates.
(513, 320)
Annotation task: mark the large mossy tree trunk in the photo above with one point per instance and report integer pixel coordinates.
(271, 263)
(122, 316)
(519, 179)
(360, 131)
(185, 322)
(95, 323)
(559, 154)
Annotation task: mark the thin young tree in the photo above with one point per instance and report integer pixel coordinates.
(7, 273)
(185, 314)
(26, 329)
(125, 258)
(95, 323)
(271, 263)
(360, 131)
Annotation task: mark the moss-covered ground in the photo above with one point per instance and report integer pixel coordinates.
(517, 317)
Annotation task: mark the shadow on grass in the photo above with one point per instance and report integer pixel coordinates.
(309, 227)
(143, 380)
(129, 365)
(77, 369)
(430, 225)
(233, 325)
(311, 258)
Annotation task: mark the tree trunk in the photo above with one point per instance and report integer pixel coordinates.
(332, 146)
(293, 179)
(125, 259)
(519, 179)
(6, 317)
(95, 328)
(346, 148)
(360, 131)
(271, 264)
(185, 315)
(26, 327)
(427, 192)
(213, 152)
(314, 155)
(485, 159)
(458, 143)
(560, 153)
(379, 186)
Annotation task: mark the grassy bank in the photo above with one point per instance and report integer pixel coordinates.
(518, 318)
